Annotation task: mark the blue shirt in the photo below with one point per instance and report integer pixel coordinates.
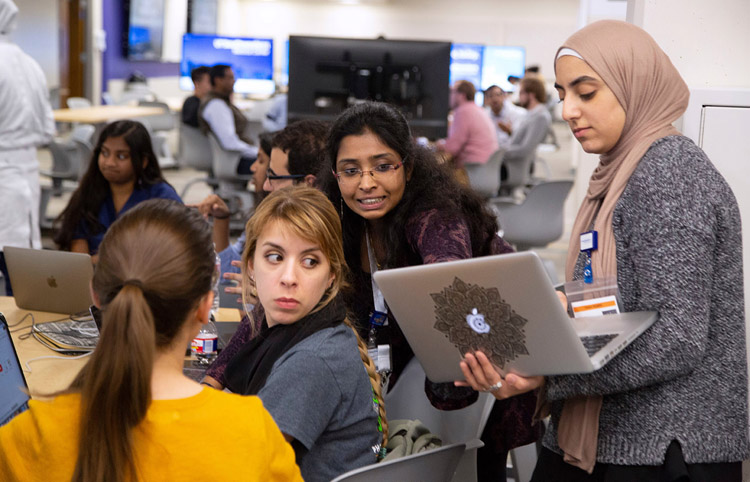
(107, 214)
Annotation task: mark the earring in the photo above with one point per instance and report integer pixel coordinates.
(341, 208)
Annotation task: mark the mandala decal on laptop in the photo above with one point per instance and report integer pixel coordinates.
(476, 318)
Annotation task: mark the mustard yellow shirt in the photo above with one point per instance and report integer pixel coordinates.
(210, 436)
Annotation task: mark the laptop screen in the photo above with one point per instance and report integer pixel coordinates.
(13, 400)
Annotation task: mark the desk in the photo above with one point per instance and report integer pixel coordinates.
(54, 374)
(104, 113)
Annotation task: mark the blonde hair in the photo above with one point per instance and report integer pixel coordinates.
(307, 213)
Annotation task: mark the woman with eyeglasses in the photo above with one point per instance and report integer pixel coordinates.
(400, 207)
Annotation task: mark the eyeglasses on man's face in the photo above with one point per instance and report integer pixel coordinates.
(272, 176)
(352, 175)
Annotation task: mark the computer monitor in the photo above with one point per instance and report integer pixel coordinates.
(466, 64)
(500, 61)
(145, 27)
(251, 60)
(327, 75)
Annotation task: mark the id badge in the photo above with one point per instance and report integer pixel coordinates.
(378, 318)
(589, 241)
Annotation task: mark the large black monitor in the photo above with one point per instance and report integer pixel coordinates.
(327, 75)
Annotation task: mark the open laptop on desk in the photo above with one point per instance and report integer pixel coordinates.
(13, 400)
(506, 306)
(46, 280)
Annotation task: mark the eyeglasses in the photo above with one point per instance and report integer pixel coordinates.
(353, 175)
(272, 176)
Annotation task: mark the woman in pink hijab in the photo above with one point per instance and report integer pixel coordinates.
(674, 404)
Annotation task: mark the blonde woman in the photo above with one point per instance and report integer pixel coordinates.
(131, 414)
(306, 363)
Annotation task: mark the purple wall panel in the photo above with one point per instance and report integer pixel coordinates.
(114, 64)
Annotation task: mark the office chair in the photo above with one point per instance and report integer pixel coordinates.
(538, 220)
(195, 152)
(407, 400)
(159, 127)
(78, 103)
(230, 185)
(485, 178)
(436, 465)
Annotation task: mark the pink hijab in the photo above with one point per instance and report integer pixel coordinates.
(653, 95)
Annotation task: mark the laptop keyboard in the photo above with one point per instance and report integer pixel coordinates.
(594, 343)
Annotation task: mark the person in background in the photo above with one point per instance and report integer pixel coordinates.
(202, 86)
(296, 154)
(123, 172)
(220, 116)
(276, 117)
(505, 116)
(471, 137)
(674, 404)
(399, 208)
(306, 361)
(532, 129)
(25, 122)
(131, 414)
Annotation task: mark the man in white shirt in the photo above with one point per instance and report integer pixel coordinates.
(505, 116)
(224, 119)
(26, 122)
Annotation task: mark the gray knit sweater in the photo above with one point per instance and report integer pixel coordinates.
(679, 252)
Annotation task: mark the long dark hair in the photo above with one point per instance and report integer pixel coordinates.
(93, 189)
(431, 186)
(155, 265)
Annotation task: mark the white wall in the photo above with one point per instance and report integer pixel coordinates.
(708, 45)
(36, 34)
(538, 25)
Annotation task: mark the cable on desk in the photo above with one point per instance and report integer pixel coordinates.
(47, 357)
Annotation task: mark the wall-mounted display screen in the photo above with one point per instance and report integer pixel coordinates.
(327, 75)
(486, 65)
(466, 63)
(498, 62)
(145, 29)
(251, 60)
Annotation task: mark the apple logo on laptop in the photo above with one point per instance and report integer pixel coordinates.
(476, 322)
(52, 282)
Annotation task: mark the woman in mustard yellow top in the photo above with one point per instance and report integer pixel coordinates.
(131, 414)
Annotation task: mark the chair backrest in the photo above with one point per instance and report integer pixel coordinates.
(195, 149)
(224, 162)
(539, 219)
(83, 133)
(162, 122)
(63, 163)
(78, 102)
(485, 178)
(437, 465)
(407, 400)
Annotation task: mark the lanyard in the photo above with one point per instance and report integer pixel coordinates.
(377, 295)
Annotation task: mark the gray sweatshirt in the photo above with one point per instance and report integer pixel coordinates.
(679, 252)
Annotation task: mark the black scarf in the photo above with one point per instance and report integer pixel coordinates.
(247, 371)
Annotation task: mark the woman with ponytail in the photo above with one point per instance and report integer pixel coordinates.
(131, 414)
(306, 361)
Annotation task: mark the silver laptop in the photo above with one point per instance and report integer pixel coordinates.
(46, 280)
(506, 306)
(14, 398)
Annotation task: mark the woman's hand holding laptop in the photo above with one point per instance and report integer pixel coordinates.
(482, 376)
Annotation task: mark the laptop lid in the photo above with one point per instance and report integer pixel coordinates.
(504, 305)
(47, 280)
(13, 400)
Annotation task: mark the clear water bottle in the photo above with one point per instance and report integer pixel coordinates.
(206, 344)
(372, 345)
